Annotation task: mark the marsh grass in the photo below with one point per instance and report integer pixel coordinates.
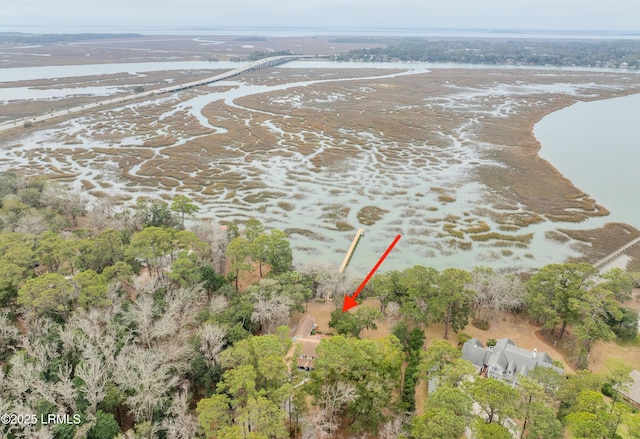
(369, 215)
(343, 226)
(556, 236)
(304, 232)
(483, 237)
(450, 229)
(285, 206)
(482, 227)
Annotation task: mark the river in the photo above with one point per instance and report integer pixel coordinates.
(596, 145)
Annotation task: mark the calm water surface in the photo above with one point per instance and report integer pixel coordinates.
(596, 145)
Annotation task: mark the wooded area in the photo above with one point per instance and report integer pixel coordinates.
(137, 320)
(535, 52)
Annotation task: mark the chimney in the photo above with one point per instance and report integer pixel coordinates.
(534, 353)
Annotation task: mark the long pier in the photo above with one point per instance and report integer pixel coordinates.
(352, 248)
(613, 255)
(259, 64)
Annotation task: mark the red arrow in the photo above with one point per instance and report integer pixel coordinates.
(350, 301)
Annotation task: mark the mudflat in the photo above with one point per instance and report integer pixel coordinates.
(445, 156)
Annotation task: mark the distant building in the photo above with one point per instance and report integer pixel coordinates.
(505, 361)
(632, 394)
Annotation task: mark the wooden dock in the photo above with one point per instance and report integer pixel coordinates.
(352, 248)
(613, 255)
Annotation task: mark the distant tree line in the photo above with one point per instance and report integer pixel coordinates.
(14, 37)
(614, 54)
(255, 56)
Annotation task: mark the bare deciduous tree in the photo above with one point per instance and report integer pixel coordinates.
(330, 283)
(94, 376)
(212, 340)
(217, 238)
(392, 429)
(180, 422)
(9, 335)
(65, 391)
(146, 379)
(495, 292)
(270, 311)
(142, 314)
(332, 399)
(218, 304)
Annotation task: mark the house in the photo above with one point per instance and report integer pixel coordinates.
(632, 393)
(305, 343)
(307, 353)
(505, 361)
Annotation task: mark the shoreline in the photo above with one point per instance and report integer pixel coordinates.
(465, 127)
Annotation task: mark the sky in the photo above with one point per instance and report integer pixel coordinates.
(585, 15)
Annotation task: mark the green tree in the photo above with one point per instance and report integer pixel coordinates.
(453, 399)
(576, 383)
(543, 423)
(184, 206)
(633, 425)
(57, 253)
(154, 214)
(50, 292)
(104, 250)
(211, 281)
(372, 367)
(386, 288)
(550, 380)
(348, 323)
(421, 305)
(13, 210)
(91, 289)
(264, 354)
(495, 398)
(106, 427)
(16, 262)
(214, 414)
(554, 293)
(185, 270)
(531, 391)
(237, 253)
(619, 283)
(273, 249)
(625, 323)
(457, 299)
(596, 307)
(585, 425)
(439, 423)
(8, 184)
(120, 271)
(240, 403)
(490, 431)
(253, 228)
(435, 359)
(150, 245)
(236, 319)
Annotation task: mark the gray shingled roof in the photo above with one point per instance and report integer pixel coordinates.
(474, 351)
(633, 393)
(507, 355)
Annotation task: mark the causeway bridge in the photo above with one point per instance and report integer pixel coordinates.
(255, 65)
(259, 64)
(613, 255)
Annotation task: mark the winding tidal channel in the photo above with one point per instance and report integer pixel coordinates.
(321, 149)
